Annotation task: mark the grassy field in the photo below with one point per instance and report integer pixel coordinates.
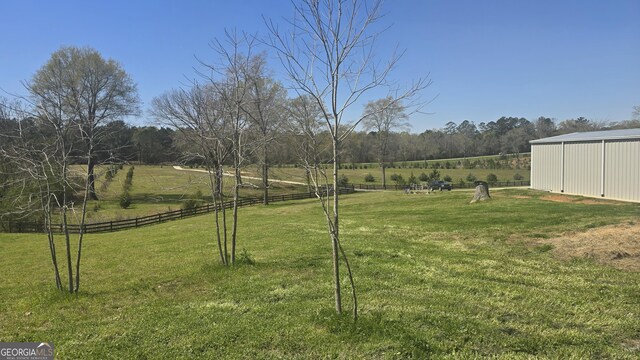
(356, 176)
(159, 189)
(437, 278)
(509, 167)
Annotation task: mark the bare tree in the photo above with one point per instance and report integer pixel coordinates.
(197, 113)
(385, 115)
(229, 78)
(328, 55)
(265, 103)
(304, 127)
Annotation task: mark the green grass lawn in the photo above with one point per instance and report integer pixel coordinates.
(436, 278)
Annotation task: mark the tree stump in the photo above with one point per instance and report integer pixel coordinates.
(482, 192)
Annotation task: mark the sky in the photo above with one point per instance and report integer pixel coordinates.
(486, 59)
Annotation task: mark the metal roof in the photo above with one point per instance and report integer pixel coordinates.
(591, 136)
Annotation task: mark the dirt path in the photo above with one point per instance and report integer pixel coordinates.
(244, 177)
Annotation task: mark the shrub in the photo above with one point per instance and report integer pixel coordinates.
(471, 177)
(129, 179)
(398, 179)
(245, 258)
(369, 178)
(435, 175)
(423, 177)
(198, 195)
(517, 176)
(190, 204)
(343, 181)
(412, 179)
(125, 199)
(492, 178)
(447, 178)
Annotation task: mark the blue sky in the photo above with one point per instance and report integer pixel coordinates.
(561, 59)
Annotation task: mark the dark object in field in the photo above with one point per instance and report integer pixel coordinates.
(440, 185)
(482, 192)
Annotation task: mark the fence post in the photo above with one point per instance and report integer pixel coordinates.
(111, 225)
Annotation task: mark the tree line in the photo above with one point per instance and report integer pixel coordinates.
(158, 144)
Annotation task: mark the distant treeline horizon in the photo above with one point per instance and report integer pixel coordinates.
(152, 144)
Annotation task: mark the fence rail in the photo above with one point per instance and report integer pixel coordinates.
(116, 225)
(455, 186)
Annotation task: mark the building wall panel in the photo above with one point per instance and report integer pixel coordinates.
(583, 167)
(622, 170)
(546, 163)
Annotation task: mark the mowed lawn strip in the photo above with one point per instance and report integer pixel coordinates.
(436, 277)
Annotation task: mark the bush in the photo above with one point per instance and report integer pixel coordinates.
(128, 182)
(471, 177)
(423, 177)
(398, 179)
(343, 181)
(517, 176)
(125, 199)
(190, 204)
(369, 178)
(198, 195)
(435, 175)
(245, 258)
(492, 178)
(447, 178)
(412, 179)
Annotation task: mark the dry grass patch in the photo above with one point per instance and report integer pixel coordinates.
(579, 200)
(614, 245)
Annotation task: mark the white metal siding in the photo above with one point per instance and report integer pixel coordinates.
(583, 168)
(546, 164)
(608, 168)
(622, 170)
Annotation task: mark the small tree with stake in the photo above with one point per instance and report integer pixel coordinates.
(328, 56)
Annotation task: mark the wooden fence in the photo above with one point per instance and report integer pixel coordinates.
(116, 225)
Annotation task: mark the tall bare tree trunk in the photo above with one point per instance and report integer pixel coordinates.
(87, 193)
(236, 195)
(384, 175)
(52, 244)
(65, 224)
(215, 184)
(265, 174)
(91, 180)
(335, 236)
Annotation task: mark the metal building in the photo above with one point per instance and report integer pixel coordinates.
(600, 164)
